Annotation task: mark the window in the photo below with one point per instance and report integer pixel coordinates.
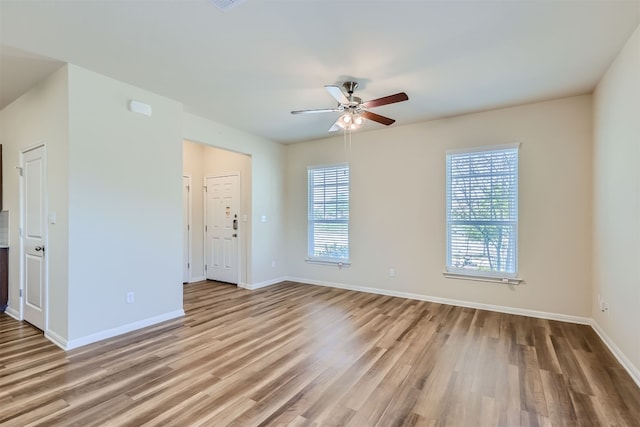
(482, 212)
(329, 214)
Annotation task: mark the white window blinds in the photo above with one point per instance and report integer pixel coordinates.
(328, 213)
(482, 212)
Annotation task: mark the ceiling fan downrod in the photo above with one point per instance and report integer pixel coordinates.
(354, 101)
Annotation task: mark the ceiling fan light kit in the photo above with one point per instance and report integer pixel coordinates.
(350, 121)
(354, 111)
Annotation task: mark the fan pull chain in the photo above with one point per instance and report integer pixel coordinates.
(347, 144)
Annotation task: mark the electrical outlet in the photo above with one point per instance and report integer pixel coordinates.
(130, 297)
(392, 272)
(273, 264)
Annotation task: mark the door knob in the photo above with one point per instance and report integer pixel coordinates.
(234, 235)
(39, 248)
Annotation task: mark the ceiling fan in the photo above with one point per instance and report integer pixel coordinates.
(354, 110)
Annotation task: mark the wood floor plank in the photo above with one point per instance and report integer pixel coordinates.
(559, 404)
(301, 355)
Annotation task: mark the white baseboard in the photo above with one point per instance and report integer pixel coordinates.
(109, 333)
(197, 279)
(13, 313)
(56, 339)
(448, 301)
(624, 360)
(253, 286)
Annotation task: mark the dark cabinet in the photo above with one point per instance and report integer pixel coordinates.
(4, 258)
(0, 177)
(4, 278)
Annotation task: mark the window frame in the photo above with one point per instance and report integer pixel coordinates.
(311, 221)
(476, 274)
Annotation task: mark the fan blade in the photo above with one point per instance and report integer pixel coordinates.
(337, 93)
(335, 126)
(322, 110)
(377, 118)
(391, 99)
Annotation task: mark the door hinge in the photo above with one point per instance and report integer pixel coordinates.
(20, 231)
(19, 170)
(188, 188)
(20, 293)
(205, 267)
(206, 228)
(188, 265)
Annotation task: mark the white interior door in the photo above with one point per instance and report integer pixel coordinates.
(222, 228)
(34, 223)
(186, 229)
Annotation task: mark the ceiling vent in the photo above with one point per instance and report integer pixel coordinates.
(226, 4)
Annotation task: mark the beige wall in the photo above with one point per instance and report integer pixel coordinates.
(265, 258)
(114, 184)
(40, 117)
(616, 207)
(125, 207)
(398, 206)
(201, 161)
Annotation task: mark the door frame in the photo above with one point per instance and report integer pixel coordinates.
(21, 263)
(189, 223)
(241, 228)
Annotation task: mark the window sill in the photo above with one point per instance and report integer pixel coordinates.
(337, 263)
(480, 278)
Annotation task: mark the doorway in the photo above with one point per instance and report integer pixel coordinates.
(33, 237)
(199, 162)
(222, 227)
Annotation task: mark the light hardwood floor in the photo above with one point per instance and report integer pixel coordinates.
(294, 354)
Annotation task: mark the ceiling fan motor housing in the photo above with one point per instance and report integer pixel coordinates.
(354, 102)
(350, 87)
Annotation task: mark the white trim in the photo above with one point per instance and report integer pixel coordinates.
(13, 313)
(448, 301)
(189, 220)
(204, 228)
(197, 279)
(331, 165)
(56, 339)
(253, 286)
(633, 371)
(327, 261)
(110, 333)
(482, 278)
(510, 146)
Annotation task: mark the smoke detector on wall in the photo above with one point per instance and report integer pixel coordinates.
(226, 4)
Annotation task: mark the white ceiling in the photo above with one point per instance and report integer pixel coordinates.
(249, 66)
